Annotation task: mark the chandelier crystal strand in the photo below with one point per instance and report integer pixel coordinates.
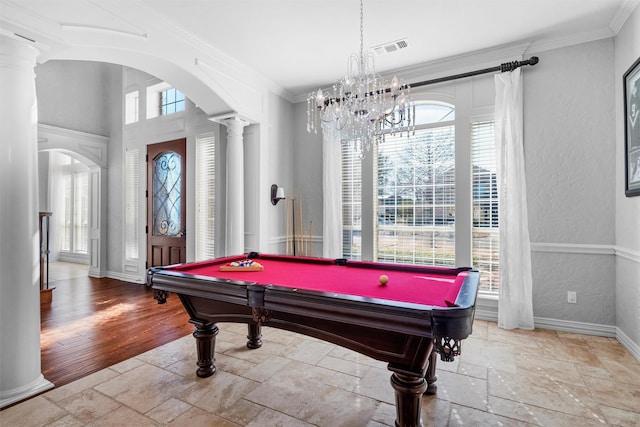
(362, 106)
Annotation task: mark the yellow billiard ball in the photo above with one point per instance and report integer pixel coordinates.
(383, 279)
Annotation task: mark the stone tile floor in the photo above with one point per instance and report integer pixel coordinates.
(503, 378)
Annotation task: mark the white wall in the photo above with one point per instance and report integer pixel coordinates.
(279, 169)
(75, 95)
(627, 209)
(307, 174)
(187, 124)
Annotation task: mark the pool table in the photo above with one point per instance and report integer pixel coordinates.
(420, 312)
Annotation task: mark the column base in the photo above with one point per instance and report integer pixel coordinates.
(16, 395)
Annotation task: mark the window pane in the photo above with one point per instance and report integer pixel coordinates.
(172, 101)
(167, 181)
(170, 97)
(485, 234)
(131, 107)
(434, 113)
(416, 198)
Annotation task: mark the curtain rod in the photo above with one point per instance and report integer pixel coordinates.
(506, 66)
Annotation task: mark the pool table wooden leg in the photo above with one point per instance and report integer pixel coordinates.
(254, 335)
(205, 335)
(430, 376)
(409, 390)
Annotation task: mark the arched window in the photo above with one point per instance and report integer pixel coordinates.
(415, 188)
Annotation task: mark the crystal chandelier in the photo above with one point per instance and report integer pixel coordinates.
(362, 106)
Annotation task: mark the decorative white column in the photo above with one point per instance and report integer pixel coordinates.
(235, 186)
(20, 370)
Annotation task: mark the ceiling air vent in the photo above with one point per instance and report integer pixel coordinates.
(383, 49)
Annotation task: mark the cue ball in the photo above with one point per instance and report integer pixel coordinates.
(383, 279)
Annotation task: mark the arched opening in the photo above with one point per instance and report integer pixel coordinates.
(72, 187)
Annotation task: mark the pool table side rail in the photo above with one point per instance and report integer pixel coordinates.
(198, 285)
(416, 319)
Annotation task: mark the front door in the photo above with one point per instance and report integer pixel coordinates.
(166, 204)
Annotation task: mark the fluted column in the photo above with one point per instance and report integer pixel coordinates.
(235, 186)
(20, 370)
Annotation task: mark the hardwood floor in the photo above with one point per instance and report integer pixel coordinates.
(94, 323)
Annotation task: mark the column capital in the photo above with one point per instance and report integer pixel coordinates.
(16, 52)
(235, 122)
(231, 119)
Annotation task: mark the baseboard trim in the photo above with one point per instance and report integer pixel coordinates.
(486, 313)
(575, 327)
(8, 397)
(125, 277)
(627, 343)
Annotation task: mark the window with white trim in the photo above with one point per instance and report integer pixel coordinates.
(132, 206)
(205, 196)
(75, 228)
(413, 182)
(131, 107)
(162, 100)
(416, 197)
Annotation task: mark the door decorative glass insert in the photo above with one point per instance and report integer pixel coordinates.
(167, 181)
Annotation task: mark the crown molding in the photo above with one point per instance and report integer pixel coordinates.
(573, 39)
(626, 9)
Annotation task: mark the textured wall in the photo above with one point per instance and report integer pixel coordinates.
(76, 95)
(570, 145)
(627, 208)
(279, 170)
(591, 276)
(307, 172)
(570, 161)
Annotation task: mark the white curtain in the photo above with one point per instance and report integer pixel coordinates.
(331, 193)
(515, 308)
(55, 202)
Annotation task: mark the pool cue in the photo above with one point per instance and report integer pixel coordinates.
(293, 201)
(288, 220)
(311, 238)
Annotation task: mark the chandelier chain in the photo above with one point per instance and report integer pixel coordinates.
(362, 34)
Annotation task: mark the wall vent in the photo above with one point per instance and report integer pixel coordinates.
(383, 49)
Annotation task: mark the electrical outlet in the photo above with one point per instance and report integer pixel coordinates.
(572, 297)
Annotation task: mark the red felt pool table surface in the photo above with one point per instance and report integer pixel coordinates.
(432, 286)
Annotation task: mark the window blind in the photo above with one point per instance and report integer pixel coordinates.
(132, 190)
(205, 197)
(80, 212)
(485, 231)
(351, 203)
(415, 201)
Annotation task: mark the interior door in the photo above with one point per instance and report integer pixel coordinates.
(166, 203)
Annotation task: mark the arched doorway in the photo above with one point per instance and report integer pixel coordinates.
(91, 150)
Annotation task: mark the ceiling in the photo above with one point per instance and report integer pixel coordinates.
(300, 44)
